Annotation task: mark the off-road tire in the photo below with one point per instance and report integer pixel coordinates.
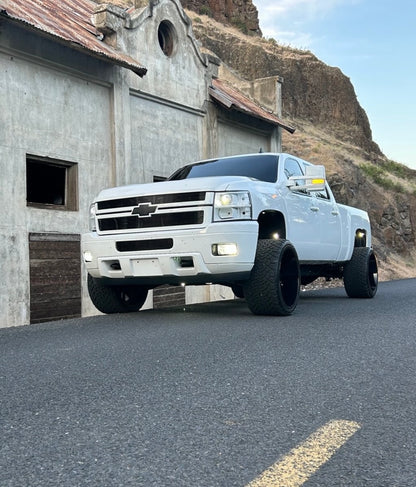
(273, 286)
(361, 274)
(238, 291)
(116, 299)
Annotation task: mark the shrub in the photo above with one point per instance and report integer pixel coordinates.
(381, 177)
(240, 25)
(205, 10)
(400, 170)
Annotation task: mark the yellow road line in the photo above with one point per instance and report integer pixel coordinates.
(295, 468)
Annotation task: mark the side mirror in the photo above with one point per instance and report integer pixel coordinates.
(313, 180)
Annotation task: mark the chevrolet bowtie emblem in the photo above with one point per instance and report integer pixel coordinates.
(144, 209)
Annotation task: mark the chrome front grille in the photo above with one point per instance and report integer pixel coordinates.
(155, 199)
(150, 212)
(152, 221)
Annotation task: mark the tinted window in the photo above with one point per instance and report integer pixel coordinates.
(292, 168)
(262, 167)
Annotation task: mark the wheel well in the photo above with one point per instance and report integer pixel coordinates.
(271, 225)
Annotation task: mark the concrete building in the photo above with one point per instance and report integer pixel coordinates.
(95, 95)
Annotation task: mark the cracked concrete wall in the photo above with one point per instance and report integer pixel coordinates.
(48, 112)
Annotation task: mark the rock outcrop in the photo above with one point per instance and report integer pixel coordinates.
(312, 90)
(240, 13)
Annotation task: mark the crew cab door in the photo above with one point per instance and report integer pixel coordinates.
(302, 222)
(329, 220)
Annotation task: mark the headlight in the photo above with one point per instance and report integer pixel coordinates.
(93, 226)
(232, 206)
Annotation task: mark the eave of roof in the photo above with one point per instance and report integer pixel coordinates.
(231, 98)
(69, 22)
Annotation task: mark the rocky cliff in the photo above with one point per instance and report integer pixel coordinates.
(332, 128)
(240, 13)
(312, 90)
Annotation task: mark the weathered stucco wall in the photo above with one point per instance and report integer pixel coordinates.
(48, 112)
(60, 104)
(243, 141)
(179, 76)
(163, 138)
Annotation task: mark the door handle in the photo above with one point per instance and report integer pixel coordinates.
(314, 208)
(334, 212)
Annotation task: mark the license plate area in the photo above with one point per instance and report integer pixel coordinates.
(147, 267)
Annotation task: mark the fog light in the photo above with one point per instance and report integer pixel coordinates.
(87, 256)
(225, 249)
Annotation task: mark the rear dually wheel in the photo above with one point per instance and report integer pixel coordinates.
(361, 274)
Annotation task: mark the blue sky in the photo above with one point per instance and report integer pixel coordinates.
(373, 42)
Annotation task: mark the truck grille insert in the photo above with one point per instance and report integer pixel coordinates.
(155, 199)
(155, 220)
(138, 245)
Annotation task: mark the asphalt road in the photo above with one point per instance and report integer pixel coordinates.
(210, 395)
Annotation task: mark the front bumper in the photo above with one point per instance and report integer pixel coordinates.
(190, 260)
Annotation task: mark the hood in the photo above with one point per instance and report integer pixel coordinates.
(220, 183)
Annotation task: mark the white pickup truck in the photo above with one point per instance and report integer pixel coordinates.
(260, 223)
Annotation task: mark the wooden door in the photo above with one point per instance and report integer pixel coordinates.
(55, 276)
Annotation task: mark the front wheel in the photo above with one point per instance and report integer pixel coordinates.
(273, 287)
(361, 274)
(116, 299)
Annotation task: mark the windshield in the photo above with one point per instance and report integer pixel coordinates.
(262, 167)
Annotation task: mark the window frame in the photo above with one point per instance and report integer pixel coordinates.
(70, 196)
(322, 195)
(302, 192)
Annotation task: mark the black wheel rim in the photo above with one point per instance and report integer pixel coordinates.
(372, 272)
(289, 279)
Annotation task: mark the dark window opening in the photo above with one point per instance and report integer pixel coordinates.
(51, 184)
(166, 36)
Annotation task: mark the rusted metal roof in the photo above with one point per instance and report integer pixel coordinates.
(69, 22)
(231, 98)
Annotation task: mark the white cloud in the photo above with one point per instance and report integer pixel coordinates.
(301, 40)
(303, 8)
(288, 21)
